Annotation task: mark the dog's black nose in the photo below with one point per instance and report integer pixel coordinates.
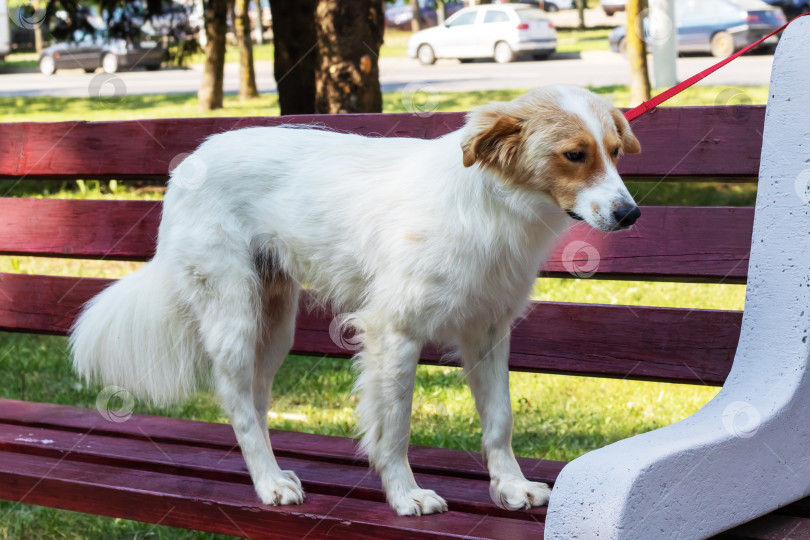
(626, 214)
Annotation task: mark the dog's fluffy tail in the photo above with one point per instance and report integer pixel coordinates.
(133, 335)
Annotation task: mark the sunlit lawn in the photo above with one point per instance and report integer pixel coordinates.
(138, 107)
(557, 417)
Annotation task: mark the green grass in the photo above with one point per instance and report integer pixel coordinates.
(138, 107)
(18, 62)
(583, 40)
(556, 417)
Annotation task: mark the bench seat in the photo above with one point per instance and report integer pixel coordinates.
(191, 474)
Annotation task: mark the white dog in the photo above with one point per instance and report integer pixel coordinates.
(421, 240)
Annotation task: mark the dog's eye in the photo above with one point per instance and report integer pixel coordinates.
(576, 157)
(616, 152)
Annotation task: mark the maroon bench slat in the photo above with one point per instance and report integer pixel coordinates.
(707, 142)
(180, 453)
(668, 344)
(424, 459)
(229, 508)
(462, 494)
(80, 229)
(669, 243)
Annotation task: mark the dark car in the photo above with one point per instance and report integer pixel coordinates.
(93, 50)
(792, 8)
(719, 27)
(400, 13)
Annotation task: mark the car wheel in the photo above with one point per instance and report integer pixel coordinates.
(47, 65)
(89, 70)
(722, 45)
(426, 55)
(109, 63)
(152, 67)
(551, 8)
(503, 53)
(609, 12)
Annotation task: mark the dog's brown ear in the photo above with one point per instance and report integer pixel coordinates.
(630, 144)
(493, 139)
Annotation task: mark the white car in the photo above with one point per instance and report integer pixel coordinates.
(499, 31)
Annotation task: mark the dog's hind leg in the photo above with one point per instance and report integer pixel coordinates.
(388, 367)
(228, 306)
(486, 366)
(279, 307)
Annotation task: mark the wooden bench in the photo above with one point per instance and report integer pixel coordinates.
(190, 474)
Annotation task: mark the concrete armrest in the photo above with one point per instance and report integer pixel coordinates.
(747, 452)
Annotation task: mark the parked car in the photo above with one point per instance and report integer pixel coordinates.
(502, 32)
(720, 27)
(548, 5)
(612, 6)
(400, 13)
(792, 8)
(92, 50)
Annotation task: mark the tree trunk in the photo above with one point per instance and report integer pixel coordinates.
(210, 94)
(417, 22)
(349, 37)
(441, 13)
(581, 10)
(296, 42)
(637, 53)
(259, 26)
(247, 74)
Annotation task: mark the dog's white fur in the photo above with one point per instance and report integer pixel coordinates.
(417, 243)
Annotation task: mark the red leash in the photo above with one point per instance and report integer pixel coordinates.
(650, 104)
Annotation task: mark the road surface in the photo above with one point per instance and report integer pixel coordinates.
(596, 68)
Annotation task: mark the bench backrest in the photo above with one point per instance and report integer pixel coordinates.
(699, 244)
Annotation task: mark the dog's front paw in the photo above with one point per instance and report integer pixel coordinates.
(283, 489)
(515, 493)
(416, 502)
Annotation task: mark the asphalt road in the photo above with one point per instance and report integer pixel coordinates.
(588, 69)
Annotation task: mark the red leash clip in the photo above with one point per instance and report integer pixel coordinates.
(652, 103)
